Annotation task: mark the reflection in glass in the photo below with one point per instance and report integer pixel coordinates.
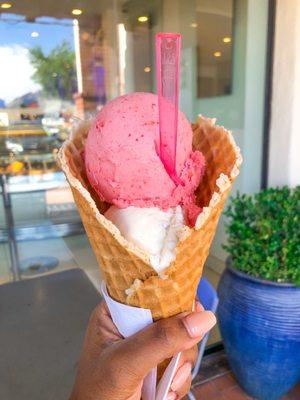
(214, 55)
(137, 21)
(59, 66)
(38, 82)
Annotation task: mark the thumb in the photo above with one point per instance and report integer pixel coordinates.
(163, 339)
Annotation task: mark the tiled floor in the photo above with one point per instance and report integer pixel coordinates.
(216, 382)
(227, 388)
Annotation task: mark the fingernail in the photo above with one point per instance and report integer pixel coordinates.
(181, 376)
(171, 396)
(197, 324)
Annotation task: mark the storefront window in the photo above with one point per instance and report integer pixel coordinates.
(62, 61)
(214, 23)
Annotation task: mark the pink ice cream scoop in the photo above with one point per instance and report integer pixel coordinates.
(122, 161)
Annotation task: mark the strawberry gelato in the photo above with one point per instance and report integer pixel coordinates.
(122, 161)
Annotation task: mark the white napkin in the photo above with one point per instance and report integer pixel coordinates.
(130, 320)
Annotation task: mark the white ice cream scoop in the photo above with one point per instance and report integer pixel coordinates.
(153, 230)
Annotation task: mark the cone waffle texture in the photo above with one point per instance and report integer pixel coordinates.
(126, 268)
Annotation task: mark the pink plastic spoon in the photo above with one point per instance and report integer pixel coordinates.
(168, 69)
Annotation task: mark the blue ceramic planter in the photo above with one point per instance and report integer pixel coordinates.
(260, 326)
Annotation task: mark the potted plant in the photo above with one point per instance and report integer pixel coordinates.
(259, 309)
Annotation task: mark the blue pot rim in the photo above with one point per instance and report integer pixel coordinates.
(255, 279)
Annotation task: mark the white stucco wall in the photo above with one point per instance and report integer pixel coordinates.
(284, 159)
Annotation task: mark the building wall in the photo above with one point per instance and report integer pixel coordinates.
(284, 160)
(243, 110)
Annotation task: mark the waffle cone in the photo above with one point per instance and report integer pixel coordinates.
(126, 268)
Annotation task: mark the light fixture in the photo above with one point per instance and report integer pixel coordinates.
(6, 5)
(76, 11)
(193, 25)
(122, 36)
(34, 34)
(217, 54)
(85, 36)
(76, 35)
(226, 39)
(147, 69)
(143, 18)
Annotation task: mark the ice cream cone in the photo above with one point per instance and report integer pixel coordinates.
(126, 268)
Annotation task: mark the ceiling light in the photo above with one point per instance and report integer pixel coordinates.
(147, 69)
(143, 18)
(85, 36)
(193, 25)
(227, 39)
(34, 34)
(6, 5)
(76, 11)
(217, 54)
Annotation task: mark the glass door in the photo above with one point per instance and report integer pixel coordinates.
(41, 98)
(62, 64)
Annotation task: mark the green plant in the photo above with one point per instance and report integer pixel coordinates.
(55, 72)
(264, 234)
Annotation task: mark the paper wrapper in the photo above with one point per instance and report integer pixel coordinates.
(130, 320)
(126, 268)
